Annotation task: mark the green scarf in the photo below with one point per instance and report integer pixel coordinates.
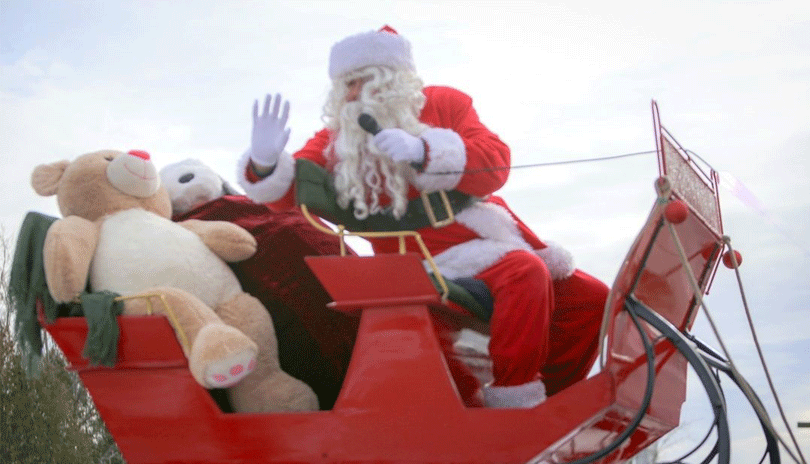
(27, 285)
(101, 309)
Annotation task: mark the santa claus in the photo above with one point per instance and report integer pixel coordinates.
(546, 318)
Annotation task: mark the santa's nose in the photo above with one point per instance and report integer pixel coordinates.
(140, 154)
(355, 87)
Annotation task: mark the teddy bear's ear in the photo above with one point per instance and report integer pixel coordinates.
(45, 178)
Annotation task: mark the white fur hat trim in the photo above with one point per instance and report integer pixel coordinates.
(373, 48)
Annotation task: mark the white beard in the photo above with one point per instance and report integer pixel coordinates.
(362, 173)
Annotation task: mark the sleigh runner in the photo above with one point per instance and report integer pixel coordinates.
(411, 393)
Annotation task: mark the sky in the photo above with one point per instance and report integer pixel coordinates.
(557, 81)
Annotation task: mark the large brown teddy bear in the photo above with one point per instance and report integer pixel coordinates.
(116, 234)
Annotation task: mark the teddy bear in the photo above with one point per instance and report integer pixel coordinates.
(315, 342)
(116, 235)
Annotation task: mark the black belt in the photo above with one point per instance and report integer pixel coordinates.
(315, 189)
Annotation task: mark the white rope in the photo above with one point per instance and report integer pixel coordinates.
(736, 265)
(761, 413)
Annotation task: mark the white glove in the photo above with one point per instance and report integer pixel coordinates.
(269, 135)
(400, 145)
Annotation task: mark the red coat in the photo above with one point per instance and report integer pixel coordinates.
(478, 164)
(486, 241)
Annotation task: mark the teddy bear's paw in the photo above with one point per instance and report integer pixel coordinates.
(221, 356)
(230, 371)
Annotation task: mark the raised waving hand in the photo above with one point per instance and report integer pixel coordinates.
(270, 134)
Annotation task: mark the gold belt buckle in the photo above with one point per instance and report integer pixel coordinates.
(429, 209)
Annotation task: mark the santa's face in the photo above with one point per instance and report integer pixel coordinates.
(364, 176)
(354, 87)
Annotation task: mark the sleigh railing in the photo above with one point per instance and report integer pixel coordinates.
(403, 399)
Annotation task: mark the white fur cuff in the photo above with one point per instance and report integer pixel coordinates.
(272, 187)
(471, 257)
(559, 261)
(499, 235)
(527, 395)
(446, 159)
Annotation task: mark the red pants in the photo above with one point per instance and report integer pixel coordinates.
(539, 327)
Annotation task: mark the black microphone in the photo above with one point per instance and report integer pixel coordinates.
(368, 123)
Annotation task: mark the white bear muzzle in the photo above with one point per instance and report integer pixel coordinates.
(134, 174)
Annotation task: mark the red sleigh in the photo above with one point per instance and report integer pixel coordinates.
(407, 396)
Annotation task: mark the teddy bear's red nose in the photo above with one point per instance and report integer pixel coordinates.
(142, 154)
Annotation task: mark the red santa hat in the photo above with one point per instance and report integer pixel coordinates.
(373, 48)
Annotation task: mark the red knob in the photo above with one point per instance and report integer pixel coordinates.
(676, 211)
(727, 260)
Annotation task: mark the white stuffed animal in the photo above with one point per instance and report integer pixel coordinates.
(192, 183)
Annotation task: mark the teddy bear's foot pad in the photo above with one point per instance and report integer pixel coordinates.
(222, 356)
(228, 372)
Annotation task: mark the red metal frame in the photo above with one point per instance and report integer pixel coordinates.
(710, 180)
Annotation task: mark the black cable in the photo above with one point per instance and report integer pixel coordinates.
(537, 165)
(721, 450)
(370, 125)
(764, 455)
(771, 442)
(697, 447)
(719, 364)
(645, 403)
(715, 449)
